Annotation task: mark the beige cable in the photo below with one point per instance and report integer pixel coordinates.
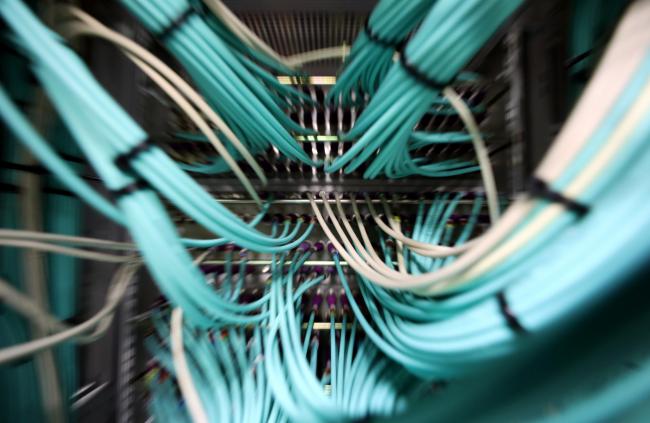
(249, 37)
(183, 375)
(66, 239)
(497, 243)
(60, 249)
(88, 26)
(117, 290)
(482, 155)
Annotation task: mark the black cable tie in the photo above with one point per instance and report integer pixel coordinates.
(540, 189)
(512, 320)
(372, 36)
(123, 161)
(421, 77)
(173, 26)
(578, 58)
(135, 186)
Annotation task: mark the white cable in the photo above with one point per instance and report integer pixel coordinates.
(249, 37)
(614, 67)
(117, 289)
(24, 305)
(69, 251)
(399, 247)
(481, 151)
(337, 52)
(241, 30)
(66, 239)
(28, 308)
(200, 123)
(155, 69)
(422, 248)
(633, 118)
(429, 250)
(353, 244)
(201, 257)
(183, 375)
(426, 279)
(91, 27)
(362, 230)
(620, 61)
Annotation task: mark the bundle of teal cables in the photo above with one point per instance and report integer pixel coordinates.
(261, 65)
(371, 57)
(450, 35)
(594, 369)
(226, 372)
(362, 381)
(253, 113)
(271, 373)
(103, 132)
(540, 284)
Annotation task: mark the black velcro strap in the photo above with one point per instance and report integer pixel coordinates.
(123, 161)
(372, 36)
(579, 58)
(511, 319)
(540, 189)
(129, 189)
(421, 77)
(180, 19)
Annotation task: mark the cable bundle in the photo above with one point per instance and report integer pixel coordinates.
(595, 147)
(114, 145)
(246, 41)
(371, 57)
(257, 61)
(449, 308)
(362, 382)
(250, 110)
(222, 368)
(272, 374)
(192, 104)
(521, 277)
(450, 35)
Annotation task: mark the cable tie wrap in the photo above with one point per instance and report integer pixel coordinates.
(541, 189)
(372, 36)
(123, 161)
(135, 186)
(511, 319)
(176, 23)
(420, 77)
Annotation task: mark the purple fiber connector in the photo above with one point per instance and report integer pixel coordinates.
(317, 300)
(331, 301)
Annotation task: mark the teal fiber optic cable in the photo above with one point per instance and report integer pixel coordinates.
(449, 36)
